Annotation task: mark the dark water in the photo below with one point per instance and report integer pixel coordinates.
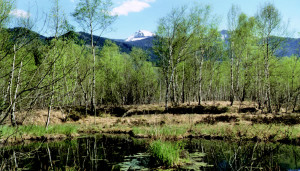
(98, 152)
(112, 152)
(224, 155)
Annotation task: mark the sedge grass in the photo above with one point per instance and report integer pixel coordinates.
(166, 153)
(265, 132)
(37, 130)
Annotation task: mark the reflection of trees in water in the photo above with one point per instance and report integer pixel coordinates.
(247, 155)
(93, 153)
(105, 152)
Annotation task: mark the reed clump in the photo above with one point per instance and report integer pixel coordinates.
(166, 153)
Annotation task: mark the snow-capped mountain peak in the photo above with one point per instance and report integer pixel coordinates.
(140, 35)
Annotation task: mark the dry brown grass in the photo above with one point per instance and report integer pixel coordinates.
(141, 115)
(37, 117)
(160, 119)
(142, 122)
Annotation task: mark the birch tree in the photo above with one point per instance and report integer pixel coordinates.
(269, 24)
(178, 36)
(232, 17)
(59, 26)
(94, 16)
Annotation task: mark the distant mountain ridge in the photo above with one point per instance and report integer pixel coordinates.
(144, 40)
(288, 47)
(125, 46)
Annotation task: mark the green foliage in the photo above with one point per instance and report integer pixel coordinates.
(123, 78)
(6, 7)
(94, 14)
(114, 71)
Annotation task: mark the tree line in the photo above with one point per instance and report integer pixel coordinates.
(195, 63)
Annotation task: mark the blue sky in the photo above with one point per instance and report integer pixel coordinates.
(144, 14)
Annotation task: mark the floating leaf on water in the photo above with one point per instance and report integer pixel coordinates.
(136, 162)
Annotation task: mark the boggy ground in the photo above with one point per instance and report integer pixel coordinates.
(213, 120)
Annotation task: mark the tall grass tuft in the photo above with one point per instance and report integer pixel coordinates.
(166, 153)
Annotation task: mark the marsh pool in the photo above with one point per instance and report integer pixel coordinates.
(122, 152)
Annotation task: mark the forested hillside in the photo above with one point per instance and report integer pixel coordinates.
(193, 63)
